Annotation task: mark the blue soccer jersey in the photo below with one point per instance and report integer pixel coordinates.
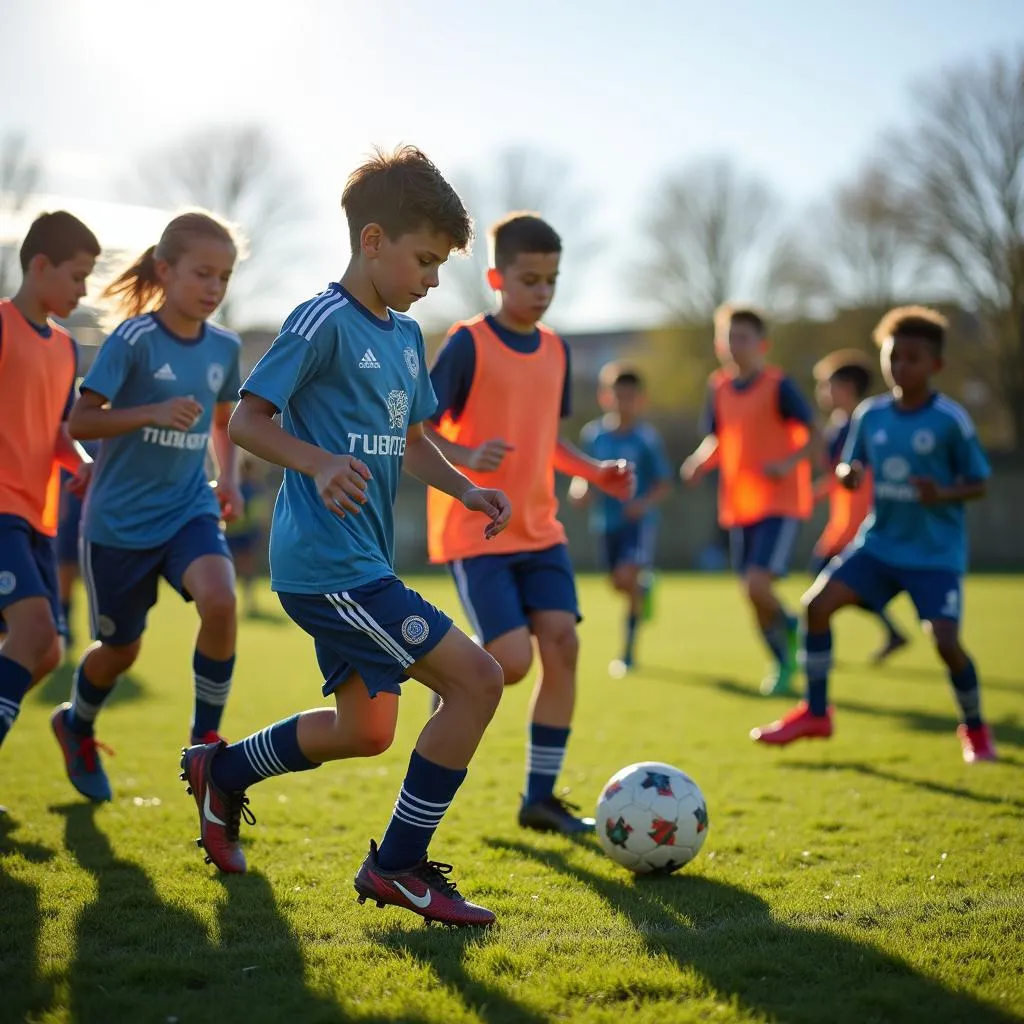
(936, 441)
(351, 384)
(642, 446)
(149, 483)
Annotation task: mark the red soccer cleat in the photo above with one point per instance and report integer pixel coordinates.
(977, 744)
(423, 889)
(220, 813)
(798, 724)
(207, 737)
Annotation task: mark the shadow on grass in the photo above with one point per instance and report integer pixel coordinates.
(141, 957)
(786, 972)
(875, 772)
(24, 989)
(56, 688)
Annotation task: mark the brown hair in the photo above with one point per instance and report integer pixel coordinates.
(620, 373)
(849, 365)
(727, 314)
(403, 191)
(913, 322)
(59, 236)
(519, 233)
(137, 289)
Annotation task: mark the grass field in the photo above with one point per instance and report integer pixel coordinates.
(872, 878)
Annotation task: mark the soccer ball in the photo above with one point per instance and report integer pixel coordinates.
(651, 817)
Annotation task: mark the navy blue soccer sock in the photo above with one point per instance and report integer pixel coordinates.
(15, 680)
(212, 680)
(426, 795)
(968, 694)
(632, 620)
(86, 702)
(271, 751)
(545, 752)
(817, 664)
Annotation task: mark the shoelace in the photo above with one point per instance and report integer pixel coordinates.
(435, 874)
(238, 809)
(87, 751)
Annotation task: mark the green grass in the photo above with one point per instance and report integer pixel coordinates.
(873, 878)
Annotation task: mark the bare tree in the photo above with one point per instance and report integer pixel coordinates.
(963, 165)
(20, 175)
(237, 173)
(869, 249)
(703, 239)
(520, 178)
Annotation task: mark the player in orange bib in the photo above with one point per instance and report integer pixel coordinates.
(761, 438)
(843, 380)
(503, 384)
(38, 363)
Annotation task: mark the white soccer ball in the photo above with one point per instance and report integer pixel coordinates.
(651, 817)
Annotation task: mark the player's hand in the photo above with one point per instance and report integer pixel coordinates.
(493, 503)
(928, 491)
(850, 474)
(489, 456)
(230, 499)
(777, 470)
(177, 413)
(617, 478)
(579, 491)
(79, 483)
(341, 484)
(693, 470)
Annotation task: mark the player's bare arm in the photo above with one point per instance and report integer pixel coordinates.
(92, 418)
(484, 458)
(932, 493)
(850, 474)
(702, 460)
(340, 479)
(425, 461)
(229, 495)
(614, 476)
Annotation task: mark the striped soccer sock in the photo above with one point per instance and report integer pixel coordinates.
(545, 752)
(271, 751)
(212, 680)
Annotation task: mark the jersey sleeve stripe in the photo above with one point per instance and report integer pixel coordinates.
(958, 413)
(313, 309)
(324, 314)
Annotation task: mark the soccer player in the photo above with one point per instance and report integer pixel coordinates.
(245, 532)
(37, 380)
(627, 528)
(347, 375)
(926, 462)
(162, 386)
(503, 384)
(761, 437)
(843, 380)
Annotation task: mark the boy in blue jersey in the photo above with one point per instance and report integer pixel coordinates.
(347, 376)
(926, 462)
(159, 393)
(627, 528)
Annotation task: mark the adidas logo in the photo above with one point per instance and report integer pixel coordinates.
(369, 361)
(165, 373)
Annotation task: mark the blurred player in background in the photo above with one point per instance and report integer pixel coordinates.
(762, 439)
(843, 380)
(627, 529)
(245, 533)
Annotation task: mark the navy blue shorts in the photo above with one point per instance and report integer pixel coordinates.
(242, 543)
(936, 593)
(28, 567)
(767, 544)
(499, 591)
(629, 544)
(123, 583)
(67, 530)
(378, 630)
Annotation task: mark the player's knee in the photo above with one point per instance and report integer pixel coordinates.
(819, 611)
(50, 660)
(217, 608)
(562, 644)
(757, 585)
(375, 739)
(35, 637)
(947, 643)
(490, 683)
(120, 657)
(513, 661)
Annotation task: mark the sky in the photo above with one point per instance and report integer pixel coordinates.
(796, 91)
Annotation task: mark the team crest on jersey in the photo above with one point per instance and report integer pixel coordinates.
(923, 442)
(415, 629)
(215, 377)
(895, 468)
(8, 581)
(398, 409)
(412, 361)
